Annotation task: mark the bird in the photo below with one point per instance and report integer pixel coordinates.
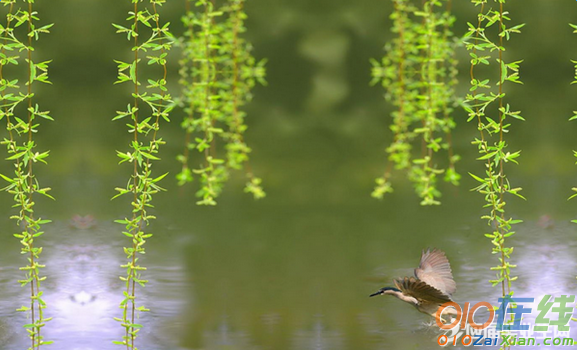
(432, 286)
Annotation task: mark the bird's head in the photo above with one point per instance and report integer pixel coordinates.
(386, 290)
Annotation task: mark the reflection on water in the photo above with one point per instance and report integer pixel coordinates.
(83, 291)
(226, 338)
(318, 338)
(243, 293)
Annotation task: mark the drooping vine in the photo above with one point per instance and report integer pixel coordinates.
(486, 107)
(449, 82)
(151, 41)
(218, 73)
(574, 117)
(397, 73)
(419, 73)
(243, 72)
(23, 115)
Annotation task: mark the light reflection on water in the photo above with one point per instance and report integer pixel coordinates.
(318, 338)
(228, 298)
(83, 292)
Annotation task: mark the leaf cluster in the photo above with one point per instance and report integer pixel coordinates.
(218, 73)
(22, 117)
(150, 105)
(485, 105)
(419, 74)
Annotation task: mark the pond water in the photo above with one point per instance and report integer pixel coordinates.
(306, 288)
(292, 271)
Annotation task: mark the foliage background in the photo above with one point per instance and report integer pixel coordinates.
(318, 120)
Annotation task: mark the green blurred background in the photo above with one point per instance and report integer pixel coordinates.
(293, 271)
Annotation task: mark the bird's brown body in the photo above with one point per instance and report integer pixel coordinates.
(432, 286)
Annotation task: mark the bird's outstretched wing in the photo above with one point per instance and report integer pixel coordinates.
(421, 290)
(435, 270)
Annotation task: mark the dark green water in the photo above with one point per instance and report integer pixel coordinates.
(292, 271)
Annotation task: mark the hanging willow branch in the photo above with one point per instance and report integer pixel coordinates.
(574, 117)
(218, 73)
(397, 75)
(17, 36)
(419, 73)
(242, 72)
(146, 111)
(486, 106)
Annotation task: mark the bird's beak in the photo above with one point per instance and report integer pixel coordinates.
(377, 293)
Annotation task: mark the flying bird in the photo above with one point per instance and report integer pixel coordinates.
(432, 286)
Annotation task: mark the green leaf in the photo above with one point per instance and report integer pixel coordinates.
(503, 71)
(7, 178)
(477, 178)
(149, 156)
